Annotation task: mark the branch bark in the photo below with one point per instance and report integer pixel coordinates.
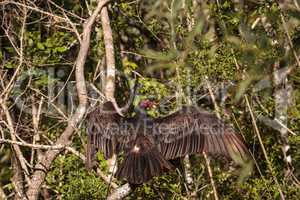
(38, 176)
(109, 92)
(109, 89)
(2, 194)
(17, 179)
(16, 148)
(120, 192)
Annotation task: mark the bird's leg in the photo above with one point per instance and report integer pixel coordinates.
(187, 172)
(189, 177)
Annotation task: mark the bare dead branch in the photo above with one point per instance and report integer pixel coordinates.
(57, 147)
(35, 9)
(36, 113)
(20, 52)
(18, 179)
(66, 11)
(289, 39)
(38, 176)
(120, 192)
(210, 174)
(2, 194)
(109, 89)
(110, 55)
(16, 148)
(33, 146)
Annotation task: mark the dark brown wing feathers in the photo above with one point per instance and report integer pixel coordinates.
(142, 162)
(191, 144)
(193, 131)
(101, 126)
(189, 131)
(90, 153)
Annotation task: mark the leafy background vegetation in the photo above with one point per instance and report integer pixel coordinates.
(175, 47)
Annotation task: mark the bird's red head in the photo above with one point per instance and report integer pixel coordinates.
(146, 104)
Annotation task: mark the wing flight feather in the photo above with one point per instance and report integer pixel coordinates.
(193, 131)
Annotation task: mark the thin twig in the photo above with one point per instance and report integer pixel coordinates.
(289, 39)
(37, 10)
(69, 149)
(263, 148)
(33, 146)
(207, 161)
(3, 102)
(13, 137)
(20, 52)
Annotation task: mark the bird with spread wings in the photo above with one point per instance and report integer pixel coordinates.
(148, 144)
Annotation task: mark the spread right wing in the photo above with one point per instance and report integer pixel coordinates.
(108, 132)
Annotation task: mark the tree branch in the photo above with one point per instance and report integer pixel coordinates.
(2, 194)
(120, 192)
(57, 147)
(33, 146)
(109, 92)
(38, 176)
(16, 148)
(110, 55)
(17, 179)
(109, 89)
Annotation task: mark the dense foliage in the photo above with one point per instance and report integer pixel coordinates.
(176, 48)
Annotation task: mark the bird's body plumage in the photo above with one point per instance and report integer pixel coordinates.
(149, 143)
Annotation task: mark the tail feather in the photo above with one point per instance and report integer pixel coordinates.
(142, 162)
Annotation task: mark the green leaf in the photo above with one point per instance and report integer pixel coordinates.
(61, 49)
(30, 42)
(40, 46)
(42, 81)
(49, 43)
(9, 65)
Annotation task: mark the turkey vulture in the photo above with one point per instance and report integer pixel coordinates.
(148, 144)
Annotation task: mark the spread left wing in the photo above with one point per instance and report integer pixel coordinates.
(193, 131)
